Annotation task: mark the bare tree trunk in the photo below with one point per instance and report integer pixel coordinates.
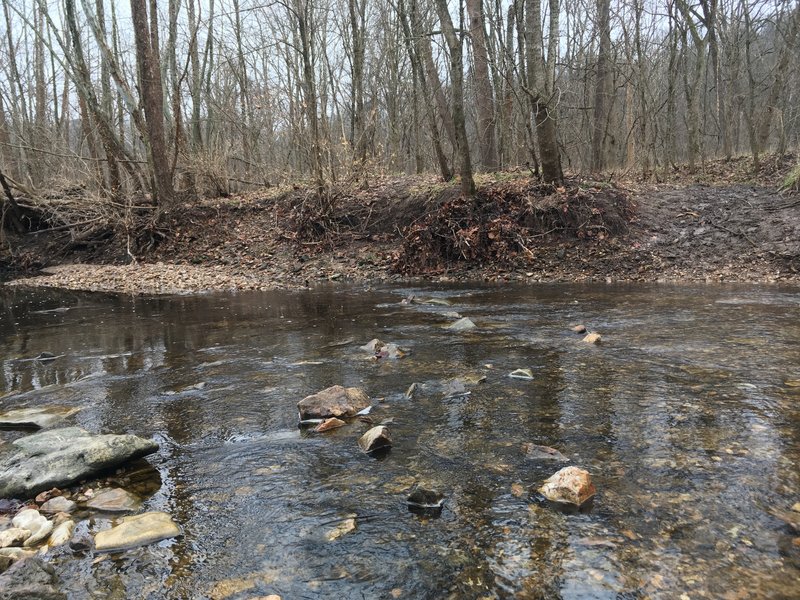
(602, 88)
(484, 96)
(454, 44)
(152, 95)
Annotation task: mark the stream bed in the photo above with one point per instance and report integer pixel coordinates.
(687, 415)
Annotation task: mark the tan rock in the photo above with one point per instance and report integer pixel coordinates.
(13, 536)
(345, 527)
(579, 328)
(328, 424)
(61, 534)
(114, 500)
(58, 504)
(377, 438)
(335, 401)
(593, 338)
(570, 485)
(137, 530)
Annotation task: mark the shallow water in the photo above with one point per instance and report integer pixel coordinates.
(686, 417)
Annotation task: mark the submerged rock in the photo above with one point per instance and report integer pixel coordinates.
(570, 485)
(536, 451)
(114, 500)
(63, 456)
(328, 424)
(343, 528)
(335, 401)
(59, 504)
(379, 349)
(32, 579)
(35, 418)
(463, 324)
(377, 438)
(137, 530)
(521, 374)
(593, 338)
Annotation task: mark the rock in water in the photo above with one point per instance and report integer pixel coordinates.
(13, 536)
(570, 485)
(536, 451)
(61, 534)
(593, 338)
(38, 526)
(377, 438)
(35, 418)
(328, 424)
(521, 374)
(31, 579)
(137, 530)
(463, 324)
(335, 401)
(57, 505)
(114, 500)
(579, 328)
(59, 457)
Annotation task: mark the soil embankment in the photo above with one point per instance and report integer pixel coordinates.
(723, 225)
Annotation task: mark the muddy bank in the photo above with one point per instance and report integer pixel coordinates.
(415, 228)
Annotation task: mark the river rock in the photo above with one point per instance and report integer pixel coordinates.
(13, 536)
(372, 346)
(61, 534)
(137, 530)
(521, 374)
(579, 328)
(463, 324)
(377, 438)
(59, 504)
(63, 456)
(35, 418)
(335, 401)
(593, 338)
(31, 579)
(16, 553)
(570, 485)
(535, 451)
(328, 424)
(114, 500)
(38, 526)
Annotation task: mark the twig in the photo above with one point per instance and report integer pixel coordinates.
(67, 226)
(736, 233)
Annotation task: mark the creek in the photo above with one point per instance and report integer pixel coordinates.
(687, 415)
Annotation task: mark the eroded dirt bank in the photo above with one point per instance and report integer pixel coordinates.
(725, 229)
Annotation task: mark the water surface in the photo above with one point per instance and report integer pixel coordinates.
(686, 416)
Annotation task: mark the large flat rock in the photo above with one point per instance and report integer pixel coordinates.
(59, 457)
(335, 401)
(38, 417)
(137, 530)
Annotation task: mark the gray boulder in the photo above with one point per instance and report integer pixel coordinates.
(59, 457)
(35, 418)
(31, 579)
(335, 401)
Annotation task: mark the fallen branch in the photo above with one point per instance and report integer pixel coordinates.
(67, 226)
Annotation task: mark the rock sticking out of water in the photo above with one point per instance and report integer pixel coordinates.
(425, 502)
(46, 356)
(412, 389)
(521, 374)
(137, 530)
(114, 500)
(32, 579)
(579, 328)
(58, 457)
(593, 338)
(570, 485)
(537, 452)
(13, 536)
(35, 418)
(335, 401)
(375, 439)
(38, 527)
(463, 324)
(328, 424)
(61, 534)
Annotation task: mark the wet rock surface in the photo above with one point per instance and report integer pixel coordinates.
(63, 456)
(114, 500)
(35, 418)
(376, 439)
(137, 530)
(570, 485)
(335, 401)
(30, 579)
